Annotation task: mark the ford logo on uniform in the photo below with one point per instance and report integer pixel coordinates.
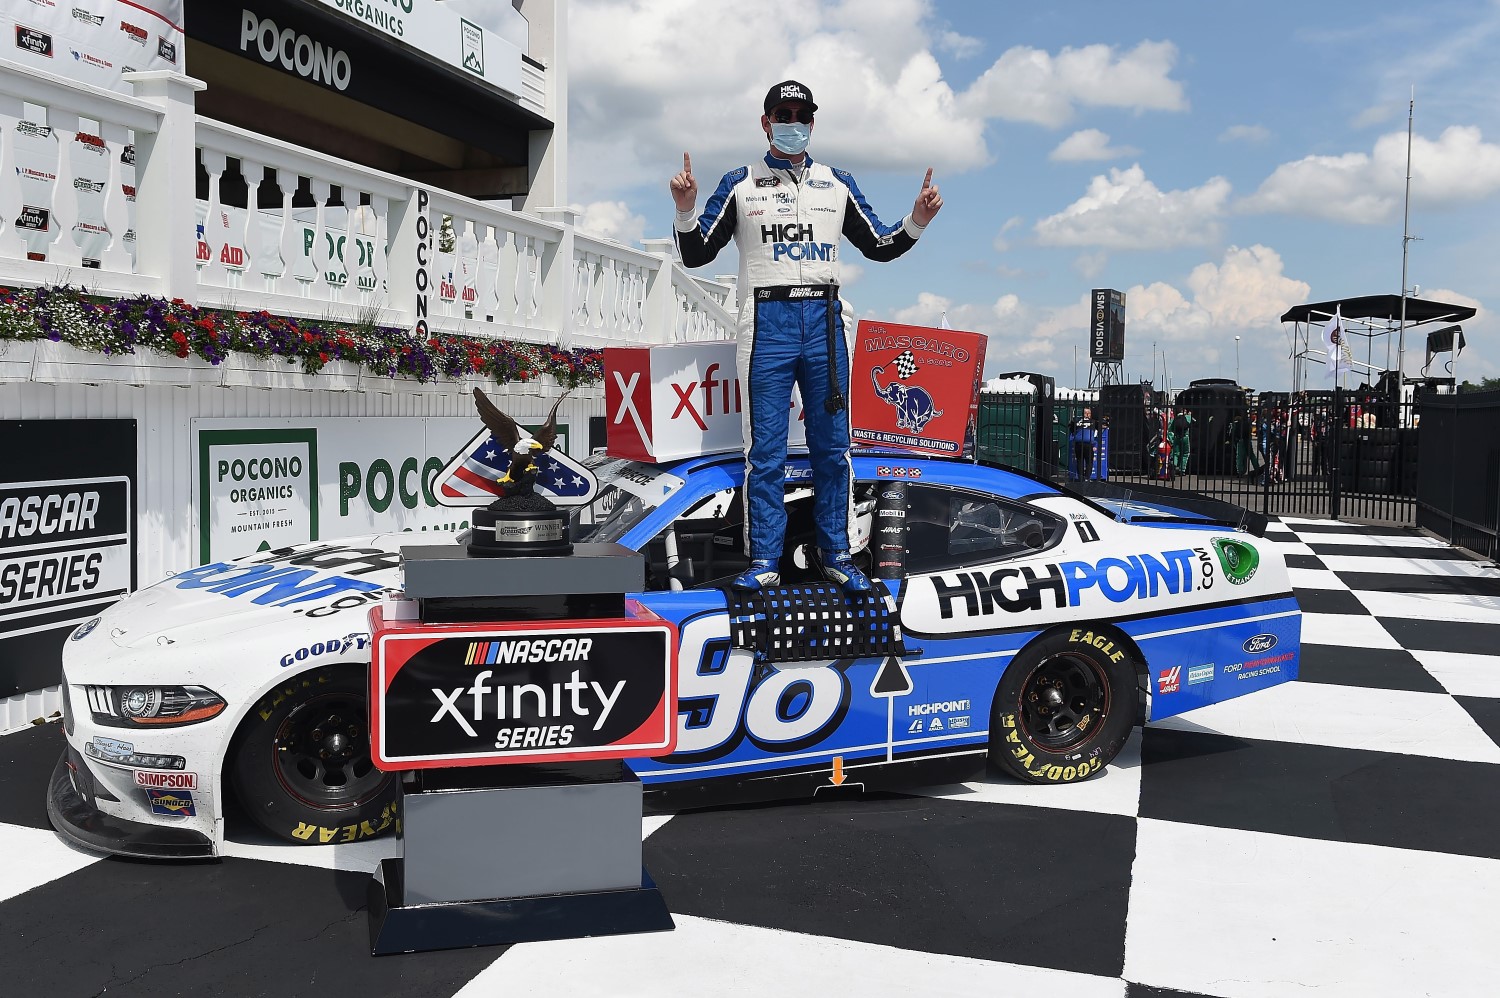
(1259, 643)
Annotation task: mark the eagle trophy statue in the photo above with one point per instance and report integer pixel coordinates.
(516, 485)
(520, 520)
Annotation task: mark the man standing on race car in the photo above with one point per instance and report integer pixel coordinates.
(786, 213)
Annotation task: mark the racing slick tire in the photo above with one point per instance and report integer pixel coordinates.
(1064, 707)
(300, 765)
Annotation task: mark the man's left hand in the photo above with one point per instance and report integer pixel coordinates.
(928, 203)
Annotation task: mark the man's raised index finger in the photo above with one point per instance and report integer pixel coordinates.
(927, 180)
(687, 164)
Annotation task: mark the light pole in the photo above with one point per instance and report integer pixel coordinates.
(1236, 360)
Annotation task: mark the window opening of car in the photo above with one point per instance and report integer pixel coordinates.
(949, 528)
(628, 492)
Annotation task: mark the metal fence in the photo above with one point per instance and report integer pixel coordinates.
(1458, 487)
(1348, 455)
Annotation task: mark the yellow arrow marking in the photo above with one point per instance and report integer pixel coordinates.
(838, 770)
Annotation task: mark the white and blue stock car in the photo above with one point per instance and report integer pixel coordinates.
(1039, 627)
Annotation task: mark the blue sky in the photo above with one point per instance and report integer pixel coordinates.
(1219, 162)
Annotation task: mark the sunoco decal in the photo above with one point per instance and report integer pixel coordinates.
(177, 803)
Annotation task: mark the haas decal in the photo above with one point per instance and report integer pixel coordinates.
(913, 404)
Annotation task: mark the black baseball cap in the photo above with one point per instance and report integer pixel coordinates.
(790, 90)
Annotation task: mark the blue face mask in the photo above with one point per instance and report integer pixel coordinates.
(790, 138)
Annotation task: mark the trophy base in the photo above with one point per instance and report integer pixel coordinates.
(500, 533)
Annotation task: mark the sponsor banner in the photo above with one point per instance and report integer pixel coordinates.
(486, 693)
(94, 41)
(439, 33)
(680, 400)
(67, 537)
(263, 484)
(1106, 325)
(915, 387)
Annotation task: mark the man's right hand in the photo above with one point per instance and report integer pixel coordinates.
(684, 187)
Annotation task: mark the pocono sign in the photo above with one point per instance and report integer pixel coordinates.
(679, 400)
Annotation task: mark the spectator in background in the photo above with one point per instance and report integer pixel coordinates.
(1181, 442)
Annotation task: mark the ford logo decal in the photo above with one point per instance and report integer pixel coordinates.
(1259, 643)
(892, 494)
(84, 629)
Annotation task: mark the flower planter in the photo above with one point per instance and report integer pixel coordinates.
(16, 358)
(63, 363)
(249, 371)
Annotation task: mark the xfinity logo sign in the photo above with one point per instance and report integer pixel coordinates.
(294, 52)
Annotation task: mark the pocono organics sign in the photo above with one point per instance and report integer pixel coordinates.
(473, 695)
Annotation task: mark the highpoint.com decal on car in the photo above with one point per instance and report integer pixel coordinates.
(1064, 584)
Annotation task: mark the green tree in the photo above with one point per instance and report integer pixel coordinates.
(447, 240)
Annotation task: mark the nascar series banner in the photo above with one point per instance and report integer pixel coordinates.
(67, 537)
(915, 387)
(486, 693)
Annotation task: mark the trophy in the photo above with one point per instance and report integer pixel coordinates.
(520, 521)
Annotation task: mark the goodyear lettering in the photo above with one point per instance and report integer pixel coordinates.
(348, 833)
(1100, 641)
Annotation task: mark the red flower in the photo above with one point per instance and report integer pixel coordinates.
(308, 337)
(323, 356)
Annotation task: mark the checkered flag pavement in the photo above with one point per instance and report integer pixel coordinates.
(906, 365)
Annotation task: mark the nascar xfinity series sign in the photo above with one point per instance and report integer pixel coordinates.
(486, 693)
(67, 537)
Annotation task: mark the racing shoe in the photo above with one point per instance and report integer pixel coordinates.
(839, 566)
(762, 574)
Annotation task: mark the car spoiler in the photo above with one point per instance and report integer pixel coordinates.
(1157, 504)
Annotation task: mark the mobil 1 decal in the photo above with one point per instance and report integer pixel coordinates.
(992, 597)
(67, 537)
(487, 694)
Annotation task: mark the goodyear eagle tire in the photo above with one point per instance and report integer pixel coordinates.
(301, 765)
(1064, 707)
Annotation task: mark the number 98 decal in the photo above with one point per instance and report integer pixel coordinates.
(726, 697)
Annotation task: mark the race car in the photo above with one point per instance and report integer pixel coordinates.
(1038, 625)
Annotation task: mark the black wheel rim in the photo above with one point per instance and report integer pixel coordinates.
(322, 753)
(1064, 701)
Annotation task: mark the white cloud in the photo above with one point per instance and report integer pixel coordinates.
(644, 87)
(1001, 243)
(1127, 211)
(611, 220)
(1243, 294)
(960, 46)
(1245, 133)
(1367, 188)
(1091, 265)
(1088, 144)
(1027, 84)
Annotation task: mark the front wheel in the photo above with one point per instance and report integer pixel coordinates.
(1064, 707)
(302, 768)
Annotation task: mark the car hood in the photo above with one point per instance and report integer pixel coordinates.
(334, 581)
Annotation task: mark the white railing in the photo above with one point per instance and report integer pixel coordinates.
(296, 232)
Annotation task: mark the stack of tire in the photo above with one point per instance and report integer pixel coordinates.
(1406, 462)
(1368, 460)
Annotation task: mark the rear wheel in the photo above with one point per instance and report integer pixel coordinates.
(1064, 706)
(301, 767)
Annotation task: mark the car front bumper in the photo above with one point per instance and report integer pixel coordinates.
(72, 812)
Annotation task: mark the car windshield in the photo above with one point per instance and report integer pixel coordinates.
(628, 492)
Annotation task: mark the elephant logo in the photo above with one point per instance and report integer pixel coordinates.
(913, 404)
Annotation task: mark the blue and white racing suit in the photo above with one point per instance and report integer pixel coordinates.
(787, 227)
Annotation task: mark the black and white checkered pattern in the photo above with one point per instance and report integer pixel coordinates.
(1333, 836)
(906, 364)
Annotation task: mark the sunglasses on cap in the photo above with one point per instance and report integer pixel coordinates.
(784, 115)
